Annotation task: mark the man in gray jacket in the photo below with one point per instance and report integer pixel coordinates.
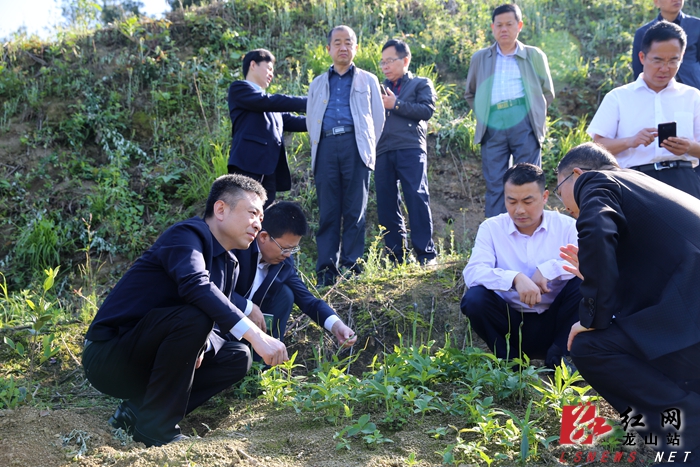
(402, 155)
(509, 87)
(345, 117)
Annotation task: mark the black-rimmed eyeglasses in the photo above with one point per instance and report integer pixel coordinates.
(557, 189)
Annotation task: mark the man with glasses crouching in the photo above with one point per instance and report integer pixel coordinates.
(268, 282)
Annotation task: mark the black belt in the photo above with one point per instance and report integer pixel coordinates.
(508, 104)
(663, 165)
(339, 130)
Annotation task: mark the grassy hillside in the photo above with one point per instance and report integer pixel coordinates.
(108, 138)
(123, 124)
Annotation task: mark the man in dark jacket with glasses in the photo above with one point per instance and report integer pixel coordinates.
(268, 281)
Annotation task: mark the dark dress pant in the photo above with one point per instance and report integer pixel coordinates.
(342, 188)
(544, 334)
(409, 167)
(279, 305)
(615, 367)
(269, 182)
(153, 367)
(508, 133)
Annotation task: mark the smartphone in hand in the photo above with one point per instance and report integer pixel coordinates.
(666, 130)
(383, 89)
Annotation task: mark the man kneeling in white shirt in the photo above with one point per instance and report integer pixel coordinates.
(515, 275)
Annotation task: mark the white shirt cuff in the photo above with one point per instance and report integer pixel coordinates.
(552, 269)
(330, 321)
(507, 280)
(248, 308)
(241, 328)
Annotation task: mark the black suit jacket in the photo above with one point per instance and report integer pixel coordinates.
(278, 274)
(185, 266)
(258, 120)
(406, 124)
(639, 253)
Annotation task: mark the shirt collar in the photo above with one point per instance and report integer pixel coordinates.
(220, 250)
(408, 75)
(256, 247)
(641, 84)
(678, 19)
(255, 85)
(261, 263)
(519, 50)
(351, 70)
(513, 229)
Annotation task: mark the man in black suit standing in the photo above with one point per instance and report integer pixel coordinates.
(268, 281)
(402, 156)
(638, 339)
(258, 120)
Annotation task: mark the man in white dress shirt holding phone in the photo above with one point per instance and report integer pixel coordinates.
(636, 122)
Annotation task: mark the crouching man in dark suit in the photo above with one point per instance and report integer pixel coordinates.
(268, 282)
(638, 339)
(151, 342)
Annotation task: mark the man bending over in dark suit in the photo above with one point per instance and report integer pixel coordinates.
(151, 342)
(638, 339)
(268, 282)
(258, 120)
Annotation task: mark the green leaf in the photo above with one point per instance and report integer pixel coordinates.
(525, 444)
(51, 274)
(363, 420)
(9, 342)
(485, 457)
(369, 428)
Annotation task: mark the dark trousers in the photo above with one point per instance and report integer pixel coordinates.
(610, 362)
(508, 133)
(153, 366)
(544, 335)
(279, 306)
(342, 187)
(269, 182)
(684, 179)
(410, 168)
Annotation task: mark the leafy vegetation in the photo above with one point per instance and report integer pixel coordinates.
(415, 380)
(108, 136)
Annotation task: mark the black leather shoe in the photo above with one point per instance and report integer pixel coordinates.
(124, 418)
(555, 357)
(149, 442)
